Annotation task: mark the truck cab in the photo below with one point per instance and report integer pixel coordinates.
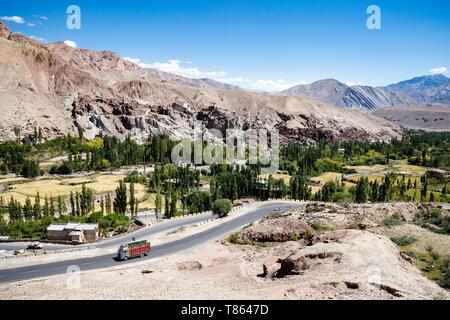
(123, 253)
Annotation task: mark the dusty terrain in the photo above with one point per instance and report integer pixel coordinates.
(340, 264)
(419, 118)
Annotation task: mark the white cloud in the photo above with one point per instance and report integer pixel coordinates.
(70, 43)
(15, 19)
(31, 24)
(232, 80)
(441, 70)
(272, 85)
(174, 66)
(134, 60)
(40, 17)
(351, 83)
(37, 38)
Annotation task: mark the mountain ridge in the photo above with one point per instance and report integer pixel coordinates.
(360, 97)
(427, 90)
(63, 90)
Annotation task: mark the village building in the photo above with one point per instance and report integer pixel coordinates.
(73, 232)
(204, 186)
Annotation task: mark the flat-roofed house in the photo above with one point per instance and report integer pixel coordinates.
(73, 232)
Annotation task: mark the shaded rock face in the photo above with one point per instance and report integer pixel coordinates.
(293, 265)
(4, 31)
(297, 264)
(277, 230)
(17, 37)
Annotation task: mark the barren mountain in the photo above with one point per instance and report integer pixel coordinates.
(427, 89)
(360, 97)
(60, 88)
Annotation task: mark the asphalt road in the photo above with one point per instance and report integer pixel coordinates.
(116, 242)
(104, 261)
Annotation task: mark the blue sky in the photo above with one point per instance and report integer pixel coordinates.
(267, 45)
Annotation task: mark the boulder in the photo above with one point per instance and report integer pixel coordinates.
(189, 266)
(277, 230)
(292, 265)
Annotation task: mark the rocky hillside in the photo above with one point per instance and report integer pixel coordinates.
(360, 97)
(60, 88)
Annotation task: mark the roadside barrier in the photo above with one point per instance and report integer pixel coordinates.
(50, 252)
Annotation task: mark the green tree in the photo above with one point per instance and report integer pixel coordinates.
(424, 188)
(173, 204)
(46, 207)
(37, 207)
(77, 204)
(40, 135)
(15, 210)
(28, 210)
(120, 201)
(102, 205)
(158, 203)
(108, 204)
(72, 204)
(61, 206)
(221, 207)
(52, 207)
(30, 169)
(167, 205)
(132, 199)
(432, 198)
(17, 131)
(375, 188)
(402, 189)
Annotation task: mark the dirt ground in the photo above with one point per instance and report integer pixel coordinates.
(340, 264)
(369, 267)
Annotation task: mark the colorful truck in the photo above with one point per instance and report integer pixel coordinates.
(134, 250)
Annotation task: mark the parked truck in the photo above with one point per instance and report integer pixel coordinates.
(134, 250)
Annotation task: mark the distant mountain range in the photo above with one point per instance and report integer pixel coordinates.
(433, 90)
(421, 91)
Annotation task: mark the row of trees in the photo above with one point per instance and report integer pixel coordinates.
(429, 149)
(391, 188)
(82, 204)
(29, 212)
(121, 202)
(104, 153)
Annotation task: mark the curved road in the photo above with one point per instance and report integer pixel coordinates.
(117, 241)
(104, 261)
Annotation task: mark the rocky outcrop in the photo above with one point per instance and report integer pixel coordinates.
(189, 266)
(4, 30)
(277, 230)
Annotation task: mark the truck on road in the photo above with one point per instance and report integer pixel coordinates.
(134, 250)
